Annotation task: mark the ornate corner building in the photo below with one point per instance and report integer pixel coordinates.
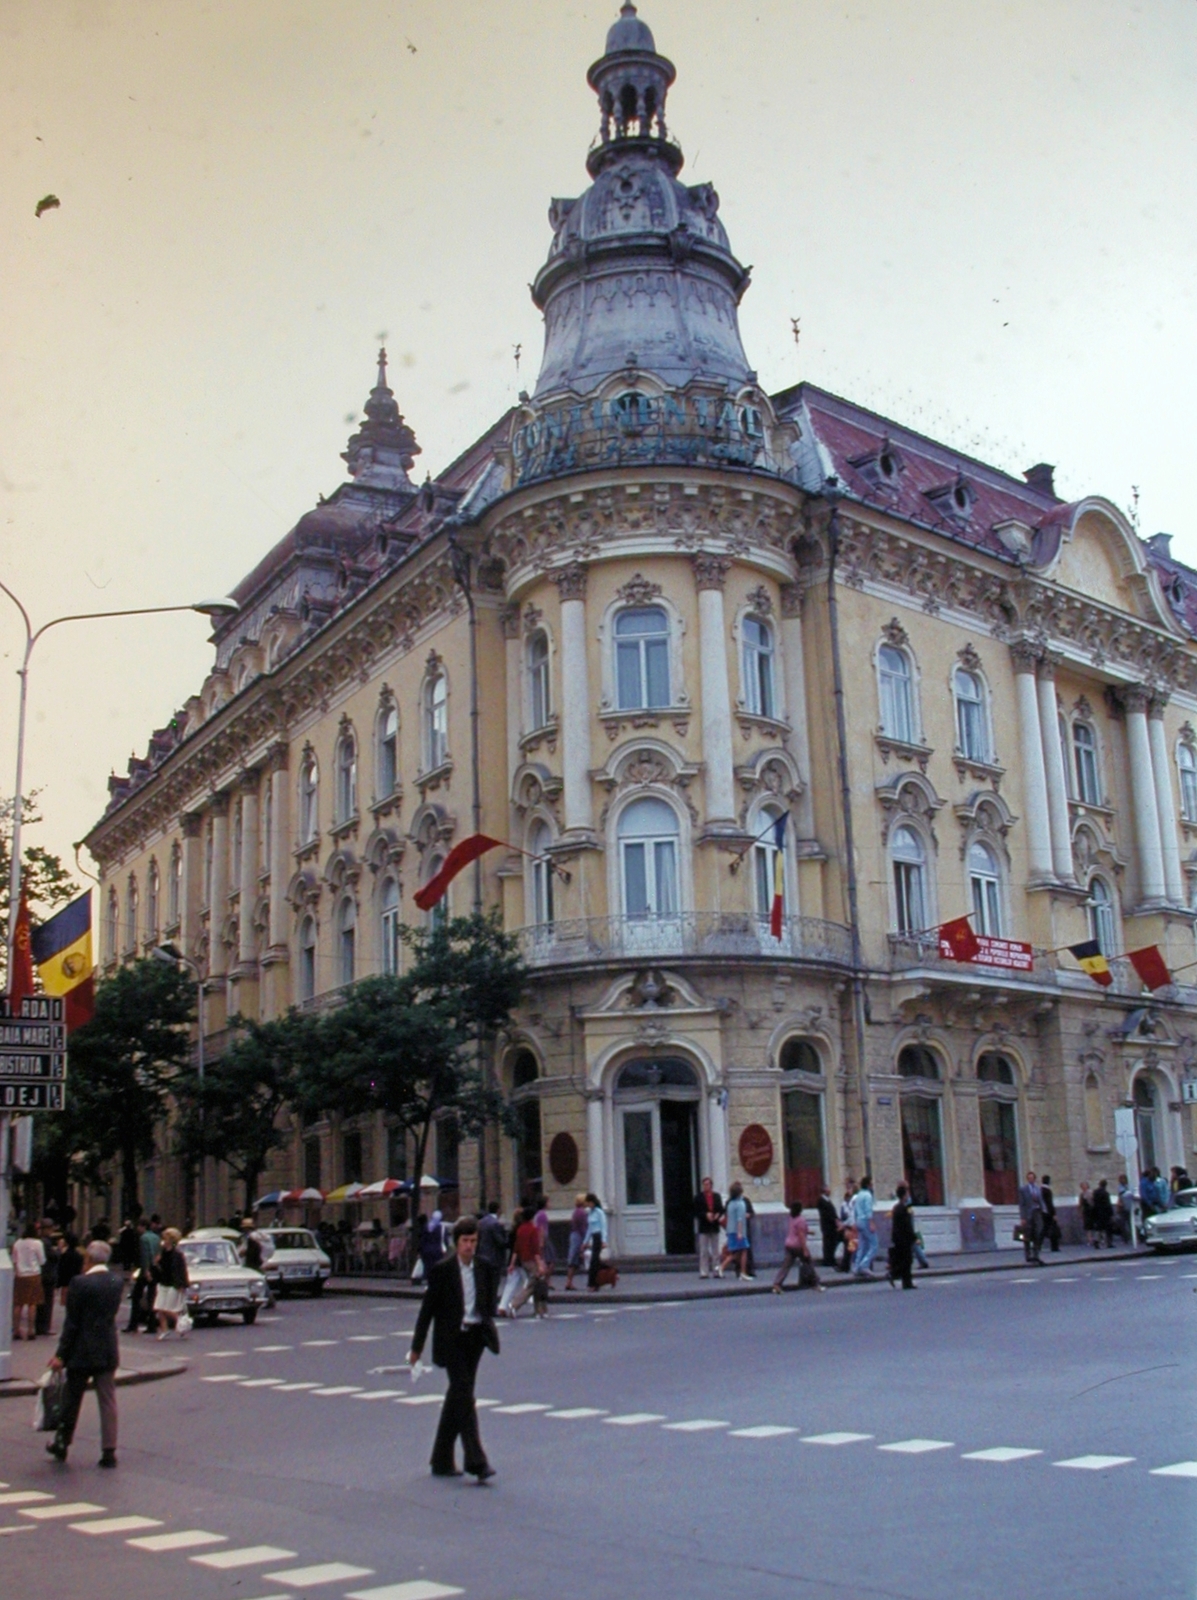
(650, 613)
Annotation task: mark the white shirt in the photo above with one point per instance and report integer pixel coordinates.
(28, 1257)
(469, 1294)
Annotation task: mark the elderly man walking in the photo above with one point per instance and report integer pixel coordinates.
(88, 1349)
(1033, 1217)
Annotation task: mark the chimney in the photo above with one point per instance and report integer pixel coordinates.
(1041, 478)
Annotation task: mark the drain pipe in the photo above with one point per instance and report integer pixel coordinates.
(832, 496)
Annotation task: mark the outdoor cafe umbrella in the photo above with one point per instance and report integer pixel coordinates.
(383, 1188)
(347, 1191)
(303, 1194)
(274, 1198)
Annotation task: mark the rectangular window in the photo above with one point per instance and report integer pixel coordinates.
(639, 1179)
(448, 1143)
(999, 1149)
(908, 887)
(311, 1164)
(529, 1170)
(397, 1153)
(351, 1157)
(987, 917)
(635, 880)
(922, 1149)
(627, 662)
(656, 659)
(665, 854)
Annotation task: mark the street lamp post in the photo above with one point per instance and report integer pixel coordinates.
(211, 608)
(174, 957)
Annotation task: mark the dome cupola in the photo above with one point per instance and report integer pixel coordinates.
(631, 81)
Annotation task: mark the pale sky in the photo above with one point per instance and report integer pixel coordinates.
(981, 210)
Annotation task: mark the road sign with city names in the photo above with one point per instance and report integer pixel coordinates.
(33, 1008)
(20, 1037)
(44, 1096)
(27, 1067)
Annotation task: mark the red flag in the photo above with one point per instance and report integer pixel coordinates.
(79, 1003)
(456, 861)
(20, 957)
(957, 941)
(1151, 966)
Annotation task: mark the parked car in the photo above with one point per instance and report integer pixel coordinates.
(293, 1260)
(220, 1282)
(1176, 1228)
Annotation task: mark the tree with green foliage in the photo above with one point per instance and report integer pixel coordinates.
(236, 1115)
(47, 883)
(414, 1046)
(123, 1065)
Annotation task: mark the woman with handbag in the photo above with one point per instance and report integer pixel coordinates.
(171, 1280)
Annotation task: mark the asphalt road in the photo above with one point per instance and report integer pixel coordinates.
(987, 1436)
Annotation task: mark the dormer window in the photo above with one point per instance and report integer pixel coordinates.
(887, 465)
(955, 499)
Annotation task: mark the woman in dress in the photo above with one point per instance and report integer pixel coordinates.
(578, 1218)
(28, 1259)
(735, 1248)
(170, 1278)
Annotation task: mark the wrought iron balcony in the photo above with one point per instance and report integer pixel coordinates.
(693, 933)
(908, 951)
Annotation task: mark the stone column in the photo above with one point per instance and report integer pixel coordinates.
(1165, 804)
(192, 887)
(794, 667)
(709, 575)
(515, 690)
(575, 699)
(1039, 840)
(247, 868)
(717, 1134)
(218, 904)
(280, 850)
(1053, 767)
(1136, 699)
(594, 1146)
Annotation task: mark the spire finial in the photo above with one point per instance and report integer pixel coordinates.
(382, 367)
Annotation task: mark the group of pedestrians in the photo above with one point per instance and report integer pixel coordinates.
(713, 1218)
(158, 1297)
(45, 1260)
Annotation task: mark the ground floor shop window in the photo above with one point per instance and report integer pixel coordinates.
(922, 1149)
(802, 1129)
(529, 1168)
(999, 1151)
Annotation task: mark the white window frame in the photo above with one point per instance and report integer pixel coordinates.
(653, 844)
(305, 975)
(153, 899)
(1088, 772)
(630, 645)
(174, 887)
(345, 775)
(972, 716)
(540, 904)
(112, 922)
(985, 890)
(758, 665)
(436, 719)
(537, 655)
(1103, 915)
(896, 694)
(309, 798)
(346, 941)
(910, 879)
(132, 906)
(387, 772)
(389, 921)
(1186, 771)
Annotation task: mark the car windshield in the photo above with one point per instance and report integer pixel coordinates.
(1186, 1200)
(209, 1253)
(293, 1239)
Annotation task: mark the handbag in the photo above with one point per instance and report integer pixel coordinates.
(183, 1323)
(51, 1398)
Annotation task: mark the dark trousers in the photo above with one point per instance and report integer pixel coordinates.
(76, 1386)
(830, 1240)
(43, 1317)
(901, 1263)
(596, 1260)
(459, 1417)
(141, 1303)
(1032, 1236)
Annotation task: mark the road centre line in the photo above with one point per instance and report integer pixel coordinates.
(23, 1497)
(1179, 1469)
(766, 1430)
(260, 1383)
(835, 1438)
(378, 1394)
(340, 1388)
(576, 1413)
(697, 1425)
(634, 1419)
(521, 1409)
(267, 1349)
(318, 1344)
(224, 1377)
(290, 1388)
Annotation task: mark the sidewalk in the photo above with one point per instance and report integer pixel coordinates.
(143, 1360)
(649, 1287)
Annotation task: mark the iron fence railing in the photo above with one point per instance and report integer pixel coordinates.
(689, 933)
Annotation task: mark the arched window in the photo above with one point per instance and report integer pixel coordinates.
(972, 735)
(525, 1069)
(910, 880)
(436, 720)
(999, 1128)
(529, 1156)
(802, 1145)
(994, 1068)
(538, 679)
(648, 858)
(111, 918)
(389, 927)
(769, 865)
(1095, 1122)
(346, 796)
(539, 840)
(759, 697)
(131, 901)
(306, 976)
(1084, 747)
(153, 887)
(309, 798)
(388, 749)
(439, 914)
(1146, 1102)
(1186, 765)
(985, 890)
(1103, 920)
(346, 942)
(799, 1055)
(917, 1061)
(642, 658)
(897, 694)
(174, 888)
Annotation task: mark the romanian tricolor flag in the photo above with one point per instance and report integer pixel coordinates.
(1093, 962)
(779, 875)
(62, 951)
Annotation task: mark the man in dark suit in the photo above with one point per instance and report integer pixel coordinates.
(829, 1225)
(459, 1304)
(88, 1349)
(708, 1218)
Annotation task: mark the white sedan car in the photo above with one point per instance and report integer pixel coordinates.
(1176, 1228)
(220, 1282)
(293, 1260)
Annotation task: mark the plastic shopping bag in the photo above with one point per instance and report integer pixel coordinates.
(51, 1396)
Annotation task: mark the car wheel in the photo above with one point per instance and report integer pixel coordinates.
(317, 1288)
(249, 1316)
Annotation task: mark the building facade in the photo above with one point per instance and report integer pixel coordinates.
(650, 614)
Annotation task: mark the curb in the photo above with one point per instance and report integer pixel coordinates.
(763, 1285)
(126, 1377)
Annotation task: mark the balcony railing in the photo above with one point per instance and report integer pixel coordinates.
(691, 933)
(921, 950)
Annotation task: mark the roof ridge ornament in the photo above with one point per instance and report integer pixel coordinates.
(383, 450)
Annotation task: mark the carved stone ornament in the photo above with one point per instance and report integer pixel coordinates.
(638, 591)
(908, 796)
(1024, 654)
(1082, 708)
(791, 599)
(1136, 697)
(710, 572)
(532, 616)
(570, 581)
(1188, 736)
(646, 766)
(760, 601)
(894, 633)
(511, 620)
(433, 661)
(969, 659)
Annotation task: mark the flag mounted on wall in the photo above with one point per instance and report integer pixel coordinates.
(62, 951)
(779, 875)
(957, 941)
(456, 861)
(1093, 962)
(1151, 966)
